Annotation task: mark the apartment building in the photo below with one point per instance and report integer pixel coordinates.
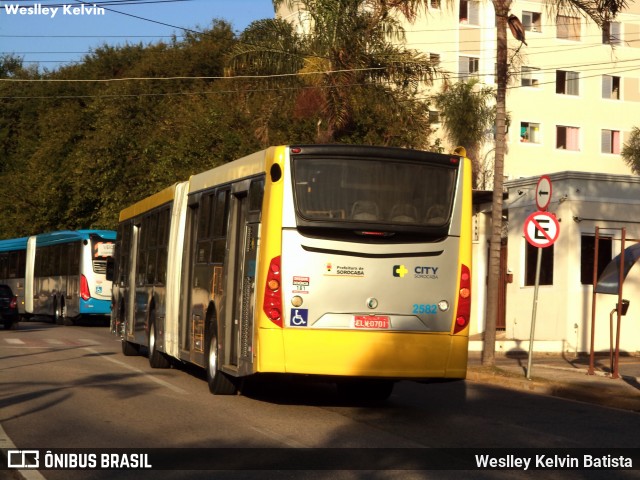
(574, 89)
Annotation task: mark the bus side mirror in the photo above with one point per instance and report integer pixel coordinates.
(111, 267)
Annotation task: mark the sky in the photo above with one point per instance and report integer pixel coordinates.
(52, 38)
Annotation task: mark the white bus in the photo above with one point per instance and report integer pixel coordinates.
(65, 274)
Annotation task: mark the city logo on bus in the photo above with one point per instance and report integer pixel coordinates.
(418, 272)
(400, 271)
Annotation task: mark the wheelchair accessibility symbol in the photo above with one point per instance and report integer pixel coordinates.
(298, 317)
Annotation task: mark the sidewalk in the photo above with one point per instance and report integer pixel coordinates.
(565, 376)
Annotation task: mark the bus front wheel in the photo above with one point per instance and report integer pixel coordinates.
(219, 382)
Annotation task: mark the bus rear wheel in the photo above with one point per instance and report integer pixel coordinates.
(157, 359)
(219, 382)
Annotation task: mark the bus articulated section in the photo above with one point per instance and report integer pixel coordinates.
(346, 262)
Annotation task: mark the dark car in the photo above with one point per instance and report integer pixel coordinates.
(8, 308)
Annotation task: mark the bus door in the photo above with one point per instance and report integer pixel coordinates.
(245, 221)
(186, 320)
(132, 308)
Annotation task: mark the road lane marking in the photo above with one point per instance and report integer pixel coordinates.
(14, 341)
(159, 381)
(7, 444)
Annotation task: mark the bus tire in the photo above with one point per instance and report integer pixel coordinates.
(365, 390)
(157, 359)
(57, 313)
(130, 349)
(219, 382)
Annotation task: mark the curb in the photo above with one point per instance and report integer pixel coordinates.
(614, 395)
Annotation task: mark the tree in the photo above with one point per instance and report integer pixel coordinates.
(345, 57)
(631, 151)
(469, 113)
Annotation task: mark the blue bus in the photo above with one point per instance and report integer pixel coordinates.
(60, 274)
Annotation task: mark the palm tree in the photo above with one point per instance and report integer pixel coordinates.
(468, 112)
(349, 52)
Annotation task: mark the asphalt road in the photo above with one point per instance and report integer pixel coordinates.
(71, 388)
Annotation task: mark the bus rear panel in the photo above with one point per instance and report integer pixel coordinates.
(374, 265)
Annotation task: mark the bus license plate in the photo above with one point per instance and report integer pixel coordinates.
(371, 321)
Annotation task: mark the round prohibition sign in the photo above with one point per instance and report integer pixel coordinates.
(541, 229)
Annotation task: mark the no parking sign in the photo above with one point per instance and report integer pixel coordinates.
(541, 229)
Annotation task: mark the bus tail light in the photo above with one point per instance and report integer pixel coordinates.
(464, 301)
(13, 304)
(272, 305)
(84, 288)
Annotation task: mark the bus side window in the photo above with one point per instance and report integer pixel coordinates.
(256, 194)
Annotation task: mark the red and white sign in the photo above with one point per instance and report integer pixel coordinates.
(541, 229)
(543, 193)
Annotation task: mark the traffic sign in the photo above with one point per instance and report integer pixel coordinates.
(541, 229)
(543, 193)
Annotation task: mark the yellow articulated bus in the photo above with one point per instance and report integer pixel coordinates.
(347, 262)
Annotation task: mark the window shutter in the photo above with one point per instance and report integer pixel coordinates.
(606, 141)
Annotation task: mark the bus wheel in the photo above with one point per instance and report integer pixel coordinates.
(65, 319)
(156, 359)
(365, 390)
(219, 382)
(57, 313)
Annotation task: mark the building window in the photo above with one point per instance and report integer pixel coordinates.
(611, 87)
(567, 83)
(611, 33)
(531, 21)
(434, 117)
(434, 59)
(568, 28)
(610, 141)
(469, 12)
(469, 67)
(529, 132)
(530, 77)
(546, 265)
(434, 3)
(587, 256)
(567, 138)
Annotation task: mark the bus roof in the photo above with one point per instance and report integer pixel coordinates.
(149, 203)
(243, 167)
(67, 236)
(13, 244)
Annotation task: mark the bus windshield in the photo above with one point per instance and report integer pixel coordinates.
(374, 191)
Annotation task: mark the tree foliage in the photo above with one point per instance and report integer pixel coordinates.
(631, 151)
(469, 114)
(80, 143)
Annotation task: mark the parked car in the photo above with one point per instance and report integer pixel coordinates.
(8, 308)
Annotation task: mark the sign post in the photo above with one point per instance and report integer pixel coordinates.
(541, 229)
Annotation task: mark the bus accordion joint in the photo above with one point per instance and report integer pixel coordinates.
(272, 305)
(464, 301)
